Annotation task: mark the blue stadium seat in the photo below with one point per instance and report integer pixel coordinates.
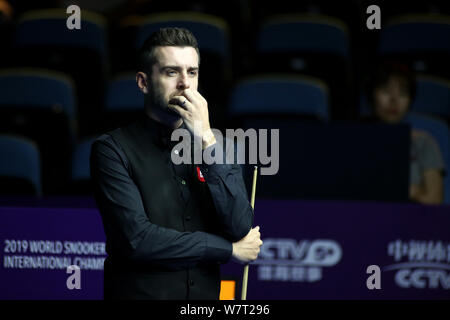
(343, 10)
(304, 33)
(363, 105)
(80, 160)
(20, 160)
(123, 94)
(280, 95)
(421, 40)
(314, 45)
(123, 101)
(439, 130)
(416, 33)
(447, 178)
(48, 28)
(82, 54)
(210, 31)
(40, 105)
(432, 97)
(80, 177)
(38, 88)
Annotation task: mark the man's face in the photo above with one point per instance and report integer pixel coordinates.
(176, 69)
(392, 100)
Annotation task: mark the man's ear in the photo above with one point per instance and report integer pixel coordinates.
(141, 80)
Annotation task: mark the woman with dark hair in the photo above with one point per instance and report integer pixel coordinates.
(391, 91)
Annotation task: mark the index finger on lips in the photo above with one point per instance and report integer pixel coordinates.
(183, 102)
(199, 95)
(189, 94)
(182, 112)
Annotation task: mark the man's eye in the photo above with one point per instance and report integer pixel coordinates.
(171, 72)
(193, 73)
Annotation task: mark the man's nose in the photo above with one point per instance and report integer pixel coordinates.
(183, 81)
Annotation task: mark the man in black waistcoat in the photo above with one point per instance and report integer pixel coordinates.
(168, 226)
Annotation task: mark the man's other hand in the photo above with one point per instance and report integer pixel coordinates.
(247, 249)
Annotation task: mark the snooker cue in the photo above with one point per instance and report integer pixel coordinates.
(252, 203)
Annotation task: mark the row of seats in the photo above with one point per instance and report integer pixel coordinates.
(22, 162)
(21, 167)
(40, 105)
(24, 90)
(277, 32)
(56, 109)
(286, 32)
(314, 45)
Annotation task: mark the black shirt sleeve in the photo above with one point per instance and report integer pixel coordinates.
(228, 191)
(127, 226)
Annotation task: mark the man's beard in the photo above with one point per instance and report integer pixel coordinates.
(157, 102)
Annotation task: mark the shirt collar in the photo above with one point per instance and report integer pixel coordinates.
(160, 132)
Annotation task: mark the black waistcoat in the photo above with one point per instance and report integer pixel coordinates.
(170, 200)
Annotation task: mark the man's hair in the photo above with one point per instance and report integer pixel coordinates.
(175, 37)
(381, 74)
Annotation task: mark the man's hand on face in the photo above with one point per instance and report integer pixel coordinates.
(193, 109)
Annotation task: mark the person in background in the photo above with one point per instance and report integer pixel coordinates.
(390, 92)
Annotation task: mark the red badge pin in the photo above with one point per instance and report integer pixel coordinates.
(200, 175)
